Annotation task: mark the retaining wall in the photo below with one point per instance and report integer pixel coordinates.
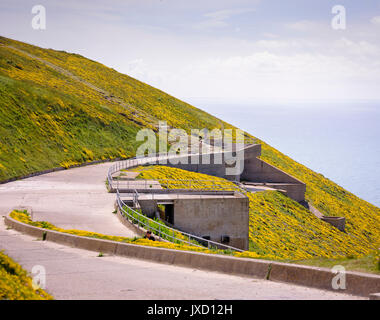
(215, 218)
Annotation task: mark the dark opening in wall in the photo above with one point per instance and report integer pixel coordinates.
(225, 239)
(169, 213)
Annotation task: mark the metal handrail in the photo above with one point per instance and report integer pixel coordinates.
(134, 162)
(172, 236)
(208, 185)
(135, 198)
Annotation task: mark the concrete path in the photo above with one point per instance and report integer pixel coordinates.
(79, 274)
(71, 199)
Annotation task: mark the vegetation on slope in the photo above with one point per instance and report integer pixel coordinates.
(15, 282)
(362, 218)
(60, 109)
(135, 96)
(48, 121)
(369, 263)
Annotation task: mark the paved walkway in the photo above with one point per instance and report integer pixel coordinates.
(71, 199)
(79, 274)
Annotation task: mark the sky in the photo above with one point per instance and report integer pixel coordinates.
(256, 50)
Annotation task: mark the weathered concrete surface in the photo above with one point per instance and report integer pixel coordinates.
(337, 222)
(257, 170)
(71, 199)
(80, 274)
(215, 218)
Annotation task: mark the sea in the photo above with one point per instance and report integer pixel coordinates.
(340, 140)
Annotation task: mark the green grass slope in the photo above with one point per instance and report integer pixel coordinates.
(58, 109)
(16, 284)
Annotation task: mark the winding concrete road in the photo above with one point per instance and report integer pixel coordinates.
(77, 198)
(70, 199)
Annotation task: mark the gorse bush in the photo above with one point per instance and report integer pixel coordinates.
(362, 218)
(15, 283)
(377, 259)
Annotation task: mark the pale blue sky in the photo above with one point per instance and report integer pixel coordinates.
(272, 50)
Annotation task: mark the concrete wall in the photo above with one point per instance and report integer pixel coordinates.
(337, 222)
(215, 218)
(253, 169)
(260, 171)
(216, 164)
(257, 170)
(148, 207)
(205, 164)
(295, 191)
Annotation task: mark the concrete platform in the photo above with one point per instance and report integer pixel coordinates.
(257, 188)
(174, 196)
(137, 184)
(126, 175)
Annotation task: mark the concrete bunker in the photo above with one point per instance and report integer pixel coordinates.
(255, 170)
(221, 218)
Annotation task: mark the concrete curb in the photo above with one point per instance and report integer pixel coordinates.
(374, 296)
(359, 284)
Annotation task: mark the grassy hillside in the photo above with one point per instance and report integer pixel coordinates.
(58, 109)
(52, 116)
(16, 284)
